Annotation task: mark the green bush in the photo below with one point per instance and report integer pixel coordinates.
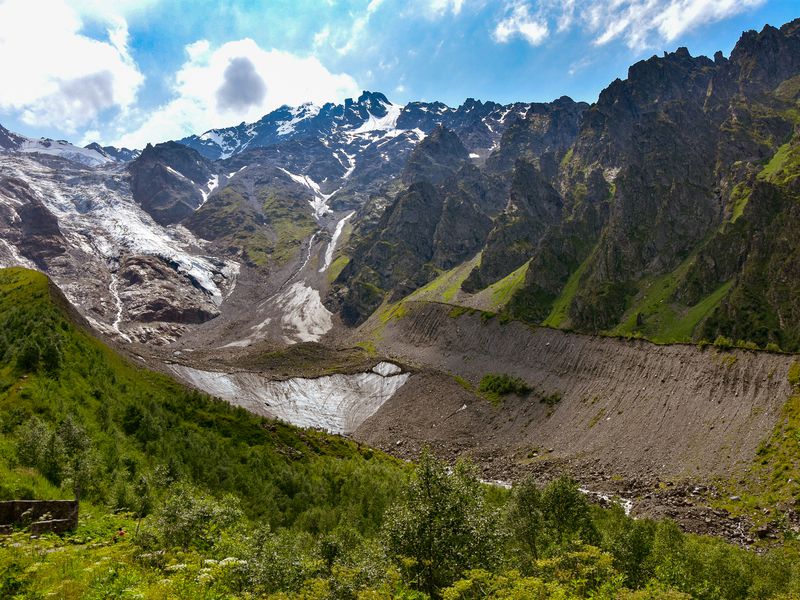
(442, 526)
(723, 343)
(494, 386)
(794, 375)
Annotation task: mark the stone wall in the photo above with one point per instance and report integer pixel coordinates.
(40, 516)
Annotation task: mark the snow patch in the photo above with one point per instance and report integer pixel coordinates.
(338, 403)
(299, 113)
(386, 369)
(320, 202)
(212, 184)
(178, 174)
(84, 156)
(332, 244)
(230, 175)
(385, 123)
(303, 316)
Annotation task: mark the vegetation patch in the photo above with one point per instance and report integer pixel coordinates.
(559, 314)
(658, 318)
(495, 386)
(337, 266)
(503, 290)
(794, 376)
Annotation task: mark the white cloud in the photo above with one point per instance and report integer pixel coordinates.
(55, 76)
(439, 8)
(519, 21)
(205, 98)
(638, 23)
(358, 28)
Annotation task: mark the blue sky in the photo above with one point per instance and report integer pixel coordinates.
(133, 71)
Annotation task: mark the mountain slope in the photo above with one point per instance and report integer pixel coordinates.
(142, 431)
(664, 210)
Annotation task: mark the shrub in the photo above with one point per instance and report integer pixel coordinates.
(551, 399)
(495, 386)
(723, 343)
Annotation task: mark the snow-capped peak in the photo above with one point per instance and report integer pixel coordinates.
(387, 122)
(299, 113)
(86, 156)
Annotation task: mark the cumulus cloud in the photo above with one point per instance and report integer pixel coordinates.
(242, 87)
(55, 76)
(519, 21)
(238, 81)
(637, 23)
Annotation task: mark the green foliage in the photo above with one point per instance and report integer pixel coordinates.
(548, 521)
(496, 385)
(337, 266)
(551, 399)
(189, 518)
(723, 343)
(794, 375)
(102, 428)
(229, 505)
(559, 313)
(442, 527)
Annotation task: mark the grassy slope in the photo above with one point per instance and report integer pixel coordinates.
(141, 423)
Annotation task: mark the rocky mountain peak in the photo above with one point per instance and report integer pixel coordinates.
(9, 140)
(436, 157)
(764, 59)
(170, 181)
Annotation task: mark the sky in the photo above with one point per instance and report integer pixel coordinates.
(129, 72)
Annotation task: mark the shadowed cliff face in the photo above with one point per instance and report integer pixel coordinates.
(168, 181)
(621, 210)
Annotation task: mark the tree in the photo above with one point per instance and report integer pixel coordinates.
(77, 460)
(548, 521)
(442, 526)
(566, 514)
(525, 516)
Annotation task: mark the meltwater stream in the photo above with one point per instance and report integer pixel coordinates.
(337, 403)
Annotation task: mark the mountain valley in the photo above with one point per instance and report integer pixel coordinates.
(363, 268)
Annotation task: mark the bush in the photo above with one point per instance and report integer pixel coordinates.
(494, 386)
(723, 343)
(190, 518)
(746, 345)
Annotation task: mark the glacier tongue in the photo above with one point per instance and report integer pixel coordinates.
(338, 403)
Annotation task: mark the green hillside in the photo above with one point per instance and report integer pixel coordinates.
(216, 503)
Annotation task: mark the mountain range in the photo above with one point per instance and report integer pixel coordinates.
(667, 210)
